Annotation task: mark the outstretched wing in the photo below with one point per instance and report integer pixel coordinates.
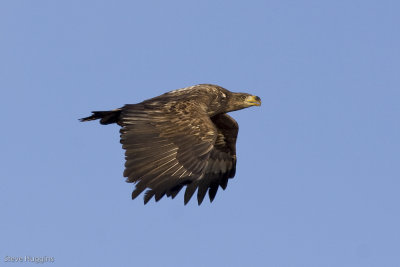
(221, 165)
(166, 147)
(177, 145)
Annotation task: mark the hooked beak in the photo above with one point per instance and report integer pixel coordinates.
(253, 100)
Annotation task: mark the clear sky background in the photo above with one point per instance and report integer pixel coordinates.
(317, 181)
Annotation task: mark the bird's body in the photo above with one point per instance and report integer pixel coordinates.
(181, 138)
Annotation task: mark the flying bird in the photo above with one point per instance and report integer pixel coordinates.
(181, 138)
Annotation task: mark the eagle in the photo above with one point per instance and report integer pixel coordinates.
(181, 138)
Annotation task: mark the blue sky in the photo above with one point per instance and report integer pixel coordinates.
(317, 181)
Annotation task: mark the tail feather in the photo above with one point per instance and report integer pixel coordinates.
(106, 117)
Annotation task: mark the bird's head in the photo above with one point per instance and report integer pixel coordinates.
(242, 100)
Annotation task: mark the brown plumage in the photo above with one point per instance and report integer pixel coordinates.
(181, 138)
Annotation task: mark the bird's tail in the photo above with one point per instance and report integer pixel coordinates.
(106, 117)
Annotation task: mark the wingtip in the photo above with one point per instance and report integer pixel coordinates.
(199, 201)
(185, 201)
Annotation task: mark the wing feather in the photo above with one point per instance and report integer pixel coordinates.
(161, 151)
(170, 146)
